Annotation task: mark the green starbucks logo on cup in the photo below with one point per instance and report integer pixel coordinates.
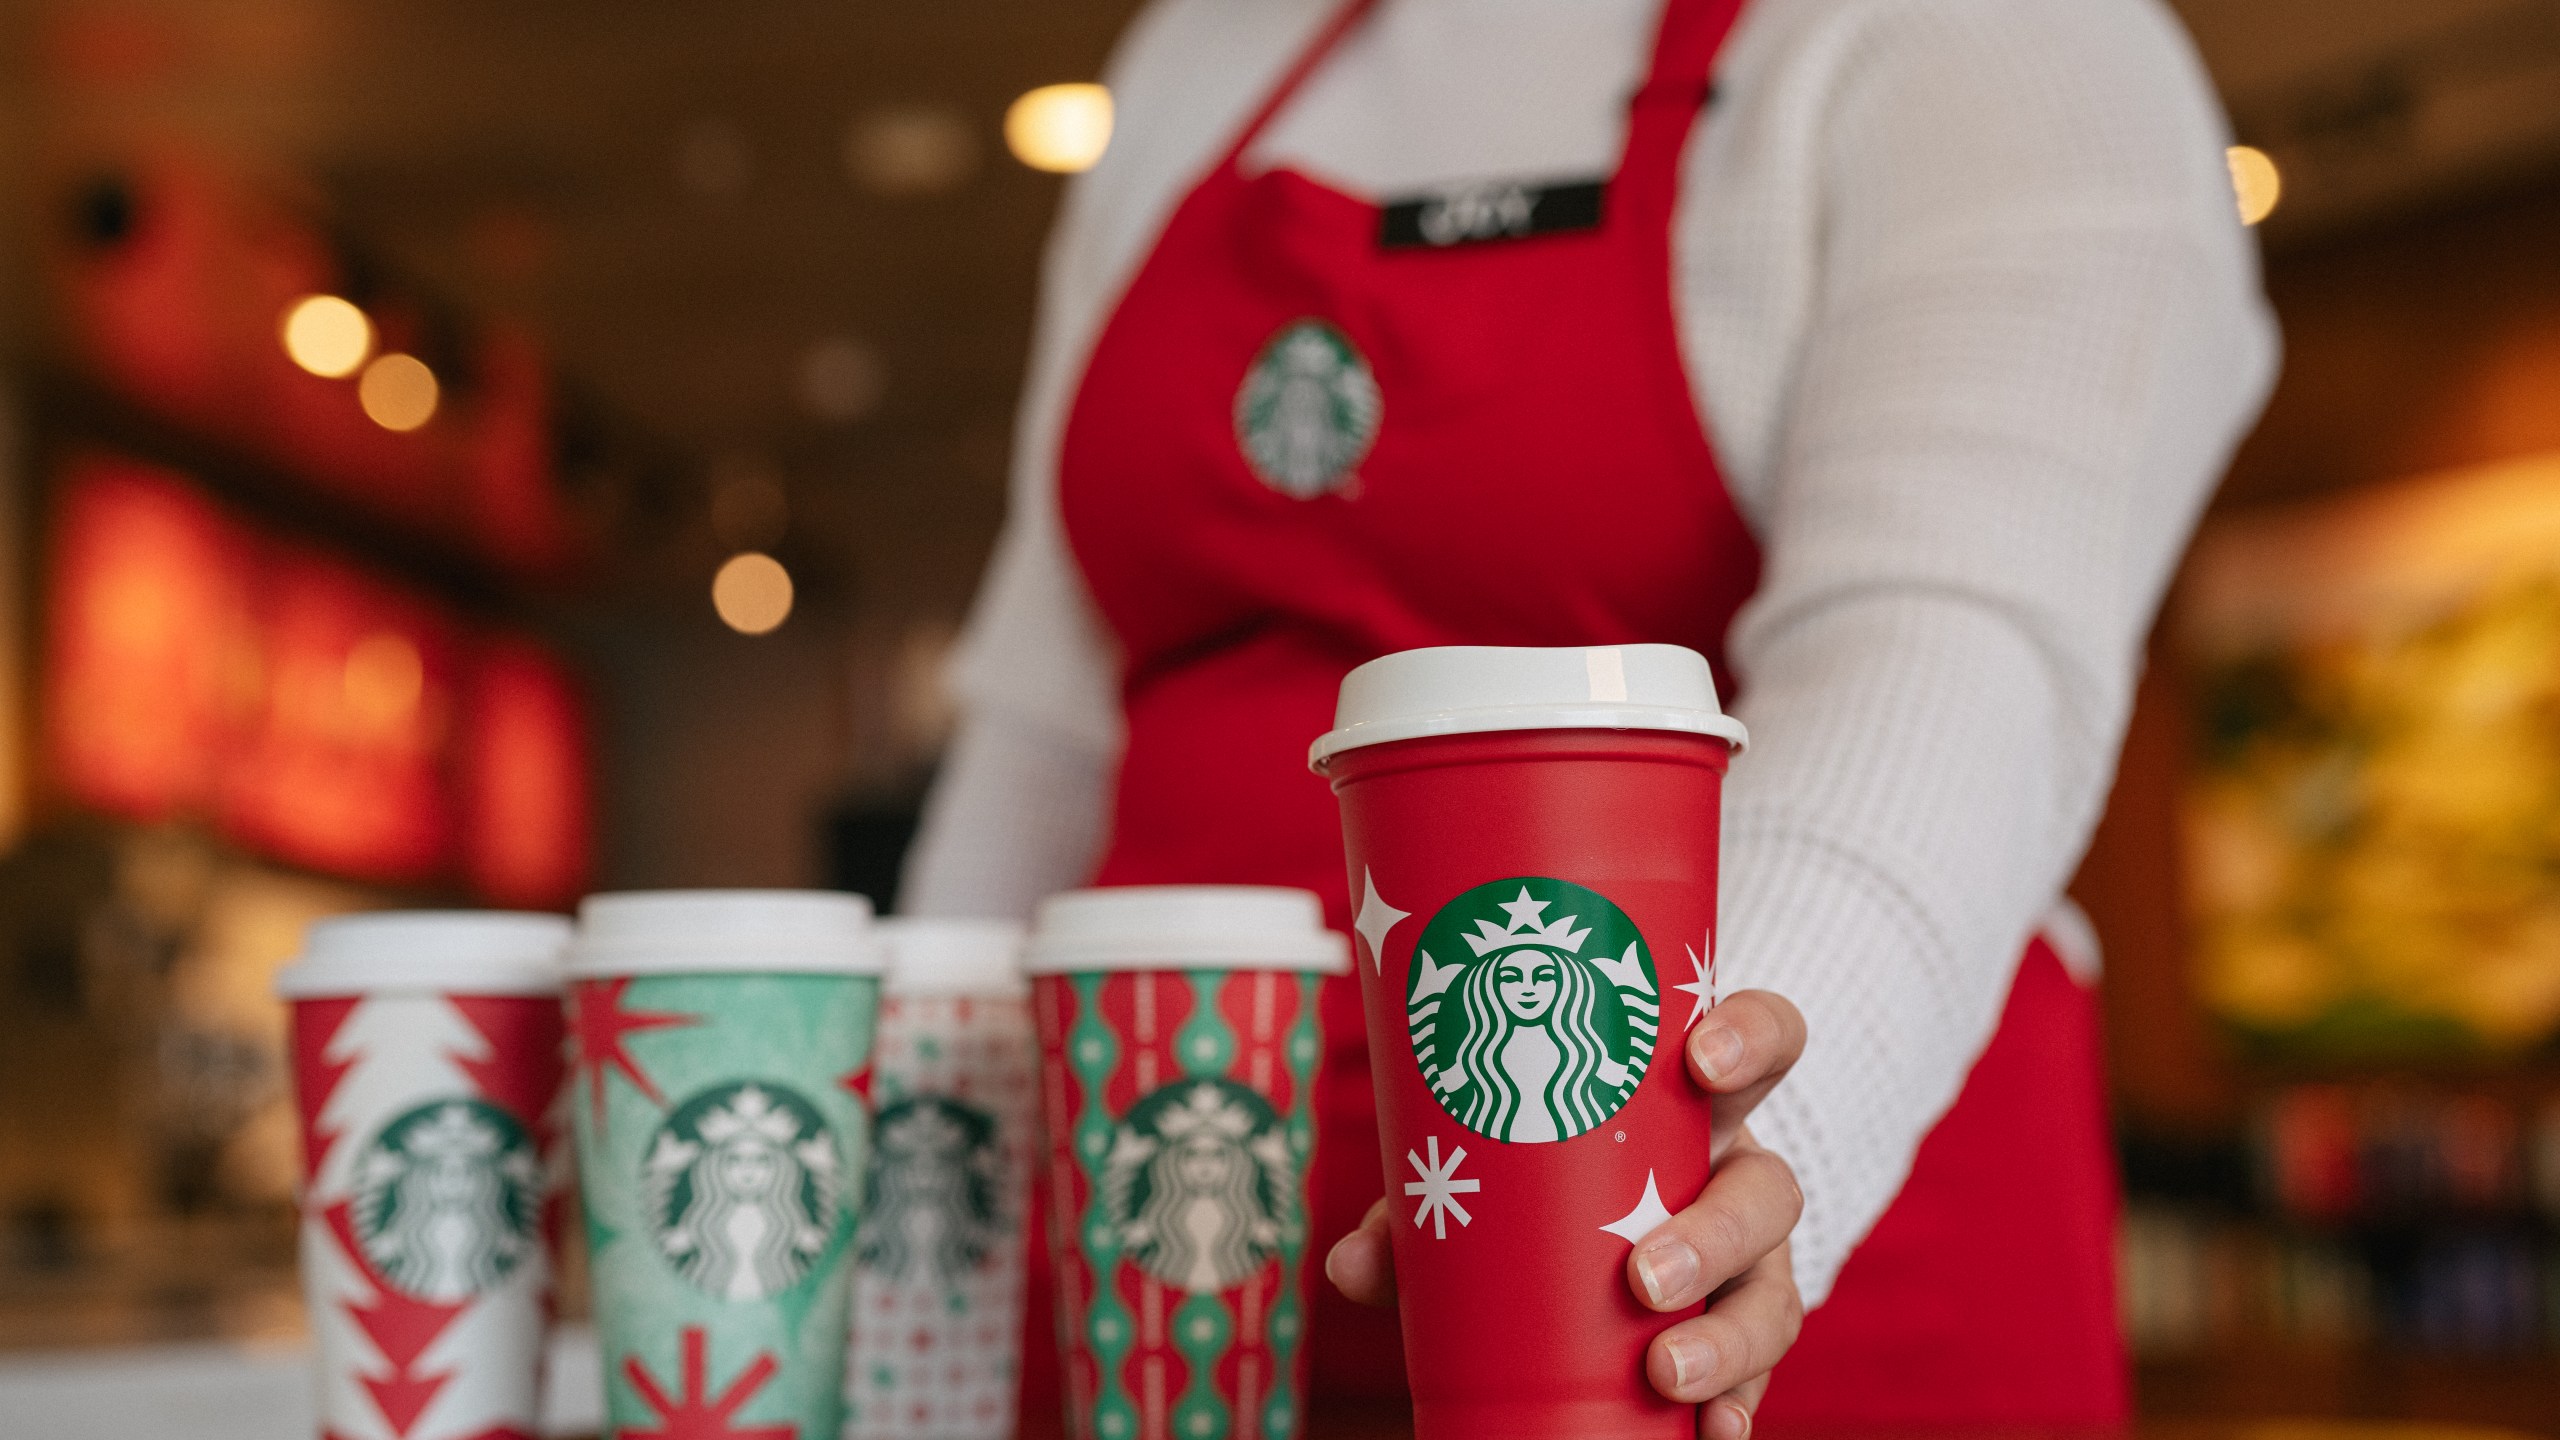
(929, 1205)
(744, 1191)
(446, 1199)
(1200, 1187)
(1308, 410)
(1533, 1009)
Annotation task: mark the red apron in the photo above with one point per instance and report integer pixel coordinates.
(1296, 448)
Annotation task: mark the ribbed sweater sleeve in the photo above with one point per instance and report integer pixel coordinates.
(2034, 337)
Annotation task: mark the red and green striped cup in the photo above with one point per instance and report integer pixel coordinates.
(1179, 1040)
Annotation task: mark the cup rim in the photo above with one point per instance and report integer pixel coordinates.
(725, 932)
(1107, 929)
(1497, 719)
(461, 952)
(953, 957)
(1329, 956)
(1487, 689)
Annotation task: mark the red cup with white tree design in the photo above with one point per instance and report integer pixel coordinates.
(426, 1061)
(1532, 846)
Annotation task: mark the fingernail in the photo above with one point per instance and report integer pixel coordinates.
(1332, 1259)
(1719, 1051)
(1692, 1361)
(1737, 1425)
(1667, 1270)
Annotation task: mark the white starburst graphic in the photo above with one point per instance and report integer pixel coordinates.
(1703, 989)
(1438, 1190)
(1639, 1222)
(1375, 919)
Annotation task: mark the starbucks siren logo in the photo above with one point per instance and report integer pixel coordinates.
(930, 1205)
(743, 1189)
(1200, 1186)
(1525, 1027)
(1307, 411)
(446, 1197)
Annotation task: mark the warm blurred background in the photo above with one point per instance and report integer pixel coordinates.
(484, 452)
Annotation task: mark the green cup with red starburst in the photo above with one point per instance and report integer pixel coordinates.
(722, 1045)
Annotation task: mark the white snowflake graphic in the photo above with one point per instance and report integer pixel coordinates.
(1438, 1190)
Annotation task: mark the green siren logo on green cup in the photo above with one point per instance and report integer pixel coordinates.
(1200, 1187)
(1308, 410)
(929, 1203)
(1533, 1009)
(446, 1198)
(744, 1189)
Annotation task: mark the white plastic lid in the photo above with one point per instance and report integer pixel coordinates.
(1184, 927)
(694, 932)
(461, 952)
(936, 957)
(1476, 689)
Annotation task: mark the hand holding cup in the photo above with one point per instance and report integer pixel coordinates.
(1729, 1248)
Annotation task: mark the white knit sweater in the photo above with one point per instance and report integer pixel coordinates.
(1966, 301)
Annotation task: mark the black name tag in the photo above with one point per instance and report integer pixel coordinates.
(1495, 210)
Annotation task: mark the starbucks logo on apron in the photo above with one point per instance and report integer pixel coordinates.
(743, 1189)
(1308, 410)
(930, 1202)
(446, 1197)
(1200, 1187)
(1533, 1009)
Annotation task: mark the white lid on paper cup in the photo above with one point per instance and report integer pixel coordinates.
(1184, 927)
(461, 952)
(1476, 689)
(950, 957)
(746, 932)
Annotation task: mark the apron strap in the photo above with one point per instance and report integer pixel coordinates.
(1685, 48)
(1665, 107)
(1679, 79)
(1344, 21)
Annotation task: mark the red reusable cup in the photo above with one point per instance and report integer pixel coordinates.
(426, 1059)
(1532, 844)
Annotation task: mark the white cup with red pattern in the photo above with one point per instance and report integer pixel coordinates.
(939, 1265)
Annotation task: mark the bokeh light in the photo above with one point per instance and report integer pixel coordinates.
(327, 335)
(383, 681)
(752, 592)
(841, 379)
(399, 392)
(910, 150)
(1059, 128)
(2255, 179)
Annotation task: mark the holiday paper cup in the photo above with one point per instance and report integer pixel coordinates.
(722, 1049)
(1179, 1038)
(426, 1061)
(1532, 847)
(938, 1273)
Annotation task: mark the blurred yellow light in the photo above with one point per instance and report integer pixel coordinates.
(398, 391)
(752, 592)
(327, 335)
(383, 680)
(2255, 179)
(1059, 128)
